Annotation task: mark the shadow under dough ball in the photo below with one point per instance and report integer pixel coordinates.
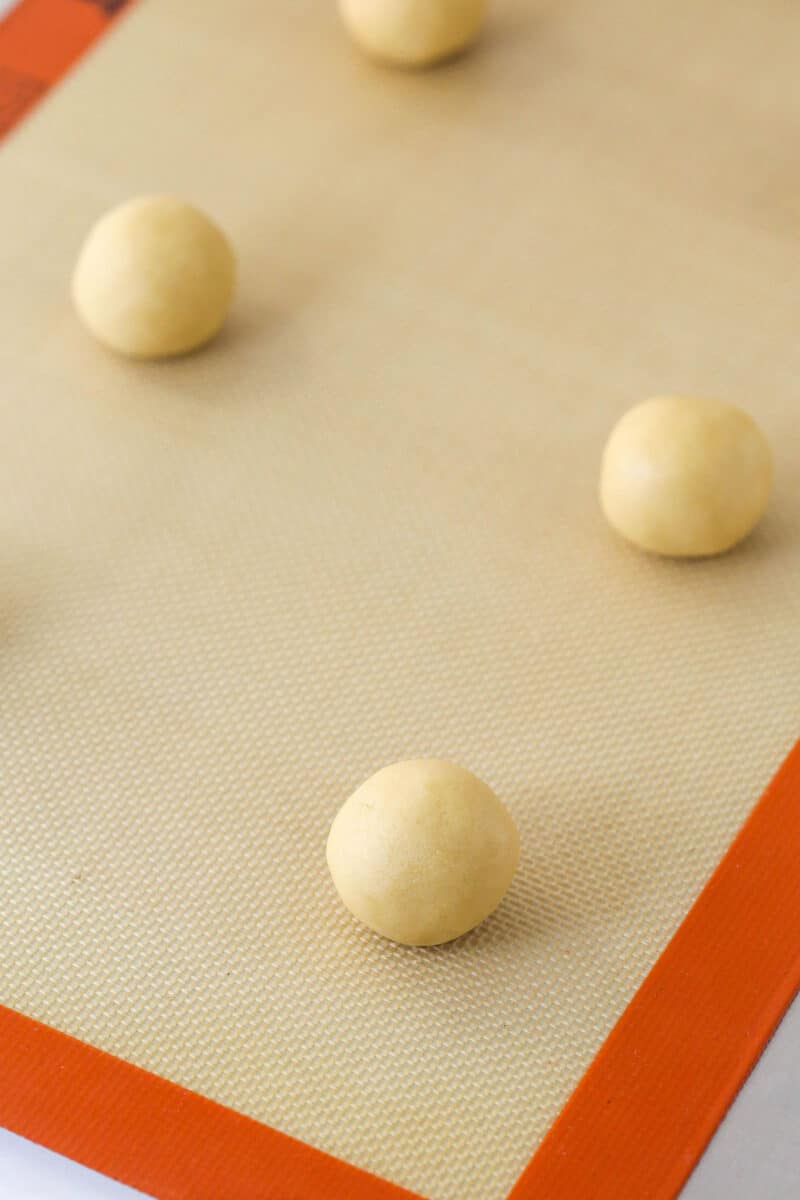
(422, 852)
(413, 33)
(154, 278)
(685, 476)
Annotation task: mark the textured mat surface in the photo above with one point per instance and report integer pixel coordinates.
(362, 526)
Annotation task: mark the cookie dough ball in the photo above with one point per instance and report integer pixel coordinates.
(154, 278)
(685, 476)
(422, 852)
(413, 33)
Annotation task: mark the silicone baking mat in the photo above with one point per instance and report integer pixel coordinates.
(363, 526)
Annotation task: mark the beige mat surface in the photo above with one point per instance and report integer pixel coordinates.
(362, 526)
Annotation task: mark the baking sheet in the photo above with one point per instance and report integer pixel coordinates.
(362, 526)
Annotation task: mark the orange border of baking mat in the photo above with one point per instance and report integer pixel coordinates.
(633, 1130)
(647, 1107)
(152, 1134)
(39, 42)
(649, 1103)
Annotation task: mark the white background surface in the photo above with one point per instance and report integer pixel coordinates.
(27, 1172)
(756, 1152)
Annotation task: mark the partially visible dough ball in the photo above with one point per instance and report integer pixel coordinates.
(413, 33)
(154, 278)
(422, 852)
(685, 476)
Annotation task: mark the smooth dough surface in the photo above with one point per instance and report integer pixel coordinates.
(413, 33)
(422, 852)
(154, 278)
(685, 476)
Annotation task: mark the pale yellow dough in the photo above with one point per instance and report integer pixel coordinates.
(685, 476)
(413, 33)
(154, 278)
(422, 852)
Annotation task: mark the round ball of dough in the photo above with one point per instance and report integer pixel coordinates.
(422, 852)
(154, 278)
(413, 33)
(685, 476)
